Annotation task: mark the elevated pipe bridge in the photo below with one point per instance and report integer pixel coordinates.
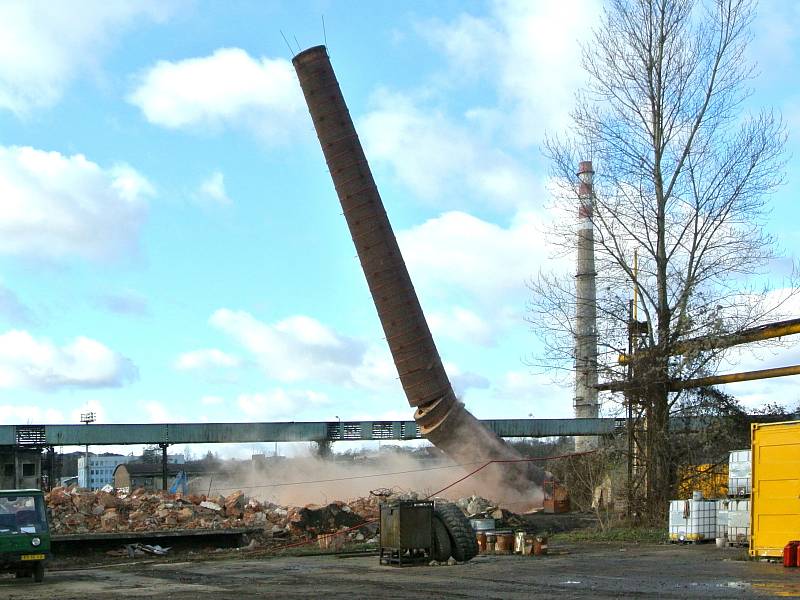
(232, 433)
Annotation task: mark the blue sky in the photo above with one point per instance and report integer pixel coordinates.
(171, 246)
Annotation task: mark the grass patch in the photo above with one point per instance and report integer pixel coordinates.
(648, 535)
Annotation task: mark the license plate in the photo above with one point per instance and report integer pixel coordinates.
(32, 557)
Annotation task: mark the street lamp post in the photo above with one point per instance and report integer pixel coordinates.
(341, 434)
(87, 418)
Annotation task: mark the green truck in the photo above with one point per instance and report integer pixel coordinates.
(24, 534)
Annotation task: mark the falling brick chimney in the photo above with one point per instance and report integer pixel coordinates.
(442, 418)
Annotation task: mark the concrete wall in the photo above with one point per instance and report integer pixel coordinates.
(20, 468)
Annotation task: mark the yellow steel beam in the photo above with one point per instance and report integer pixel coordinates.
(619, 386)
(735, 377)
(753, 334)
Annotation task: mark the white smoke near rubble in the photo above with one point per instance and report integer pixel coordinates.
(309, 479)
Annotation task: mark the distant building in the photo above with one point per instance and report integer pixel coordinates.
(101, 468)
(132, 475)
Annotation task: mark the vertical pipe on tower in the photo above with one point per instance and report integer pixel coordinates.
(586, 404)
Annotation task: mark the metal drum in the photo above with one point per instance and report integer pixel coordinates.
(505, 542)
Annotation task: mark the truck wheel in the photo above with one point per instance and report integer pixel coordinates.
(38, 572)
(462, 537)
(442, 549)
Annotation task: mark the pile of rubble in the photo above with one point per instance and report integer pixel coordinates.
(476, 507)
(74, 510)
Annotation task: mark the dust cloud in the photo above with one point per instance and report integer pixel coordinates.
(302, 480)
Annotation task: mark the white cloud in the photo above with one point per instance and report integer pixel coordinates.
(471, 273)
(294, 349)
(212, 190)
(463, 325)
(24, 414)
(44, 44)
(439, 159)
(458, 252)
(227, 88)
(280, 404)
(157, 412)
(527, 55)
(377, 372)
(26, 362)
(463, 381)
(212, 400)
(300, 348)
(204, 359)
(523, 393)
(530, 51)
(56, 206)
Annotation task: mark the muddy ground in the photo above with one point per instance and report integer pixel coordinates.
(589, 570)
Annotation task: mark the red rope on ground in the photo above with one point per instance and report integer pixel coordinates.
(429, 496)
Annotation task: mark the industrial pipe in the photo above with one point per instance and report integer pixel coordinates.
(735, 377)
(674, 386)
(759, 333)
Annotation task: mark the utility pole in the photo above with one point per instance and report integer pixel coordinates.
(585, 402)
(87, 418)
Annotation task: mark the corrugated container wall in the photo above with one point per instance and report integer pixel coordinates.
(775, 499)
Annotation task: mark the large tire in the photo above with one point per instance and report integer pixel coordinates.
(442, 548)
(462, 537)
(38, 572)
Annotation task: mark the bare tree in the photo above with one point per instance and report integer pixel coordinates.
(683, 178)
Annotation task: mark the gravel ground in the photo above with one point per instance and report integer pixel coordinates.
(590, 570)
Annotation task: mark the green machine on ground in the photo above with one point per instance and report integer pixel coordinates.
(24, 533)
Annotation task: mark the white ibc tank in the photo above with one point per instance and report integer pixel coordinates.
(739, 473)
(722, 518)
(692, 520)
(739, 521)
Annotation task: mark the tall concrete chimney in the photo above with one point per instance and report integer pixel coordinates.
(586, 405)
(441, 417)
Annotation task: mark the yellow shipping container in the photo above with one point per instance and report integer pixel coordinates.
(775, 506)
